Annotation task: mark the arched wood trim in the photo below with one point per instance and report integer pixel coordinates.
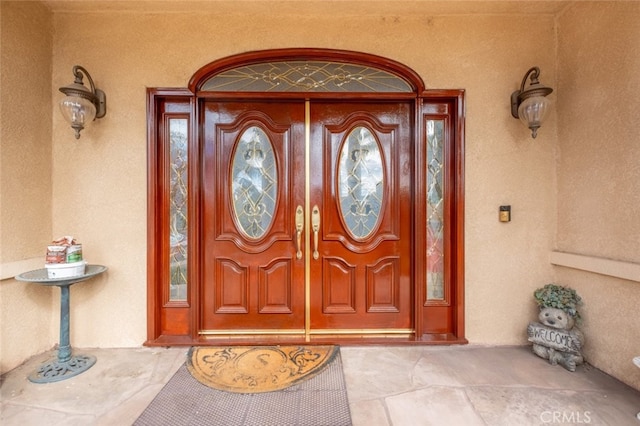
(298, 54)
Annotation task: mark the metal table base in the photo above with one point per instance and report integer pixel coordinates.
(66, 365)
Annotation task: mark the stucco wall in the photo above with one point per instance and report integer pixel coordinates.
(102, 199)
(99, 181)
(95, 188)
(26, 311)
(99, 189)
(599, 172)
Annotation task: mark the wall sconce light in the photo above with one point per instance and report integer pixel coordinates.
(81, 105)
(531, 105)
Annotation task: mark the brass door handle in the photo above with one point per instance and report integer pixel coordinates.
(315, 225)
(299, 228)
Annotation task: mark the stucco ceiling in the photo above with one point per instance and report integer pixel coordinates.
(315, 7)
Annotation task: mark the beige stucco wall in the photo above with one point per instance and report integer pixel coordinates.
(99, 187)
(102, 200)
(599, 172)
(26, 311)
(99, 181)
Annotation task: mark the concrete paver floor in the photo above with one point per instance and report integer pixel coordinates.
(387, 385)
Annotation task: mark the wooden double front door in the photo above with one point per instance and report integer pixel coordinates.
(305, 194)
(306, 217)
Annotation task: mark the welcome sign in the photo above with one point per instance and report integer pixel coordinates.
(560, 340)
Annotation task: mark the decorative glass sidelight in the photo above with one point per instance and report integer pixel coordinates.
(178, 148)
(306, 76)
(435, 210)
(360, 182)
(254, 183)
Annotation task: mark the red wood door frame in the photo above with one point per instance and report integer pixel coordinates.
(176, 323)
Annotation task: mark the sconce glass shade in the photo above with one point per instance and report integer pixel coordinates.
(530, 105)
(82, 105)
(77, 111)
(532, 112)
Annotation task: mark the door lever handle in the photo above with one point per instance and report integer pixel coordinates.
(299, 228)
(315, 226)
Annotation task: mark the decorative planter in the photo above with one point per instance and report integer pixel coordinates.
(555, 336)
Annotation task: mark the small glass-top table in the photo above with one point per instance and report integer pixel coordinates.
(65, 365)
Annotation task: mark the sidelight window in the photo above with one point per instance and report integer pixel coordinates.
(178, 138)
(435, 210)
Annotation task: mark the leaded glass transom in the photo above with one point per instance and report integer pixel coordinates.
(306, 76)
(254, 183)
(178, 138)
(435, 210)
(360, 182)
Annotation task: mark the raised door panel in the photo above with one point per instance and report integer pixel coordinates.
(339, 286)
(383, 285)
(232, 294)
(275, 291)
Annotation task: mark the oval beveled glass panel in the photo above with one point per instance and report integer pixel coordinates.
(360, 182)
(254, 183)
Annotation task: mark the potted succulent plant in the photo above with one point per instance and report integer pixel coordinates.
(554, 337)
(559, 297)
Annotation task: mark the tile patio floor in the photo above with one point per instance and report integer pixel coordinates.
(387, 385)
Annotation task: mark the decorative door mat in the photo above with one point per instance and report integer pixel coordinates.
(319, 401)
(252, 369)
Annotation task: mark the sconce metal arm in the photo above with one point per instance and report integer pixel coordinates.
(78, 71)
(535, 73)
(96, 96)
